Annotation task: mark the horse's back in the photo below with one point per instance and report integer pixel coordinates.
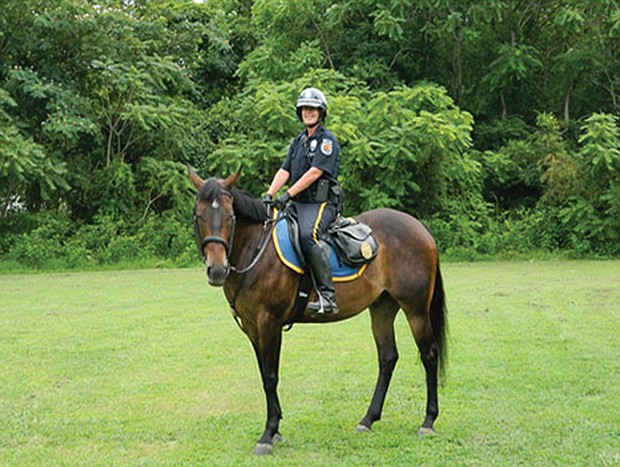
(398, 229)
(404, 268)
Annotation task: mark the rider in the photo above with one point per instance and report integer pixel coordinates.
(311, 164)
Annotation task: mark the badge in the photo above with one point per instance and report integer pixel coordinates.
(313, 144)
(327, 147)
(366, 250)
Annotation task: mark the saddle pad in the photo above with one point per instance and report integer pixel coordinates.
(284, 247)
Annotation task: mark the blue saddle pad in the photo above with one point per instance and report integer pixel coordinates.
(281, 238)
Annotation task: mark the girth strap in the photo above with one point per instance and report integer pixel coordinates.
(301, 300)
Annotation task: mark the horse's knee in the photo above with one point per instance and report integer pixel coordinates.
(387, 360)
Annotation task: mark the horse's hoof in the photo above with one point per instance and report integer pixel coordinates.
(263, 449)
(277, 438)
(362, 428)
(423, 431)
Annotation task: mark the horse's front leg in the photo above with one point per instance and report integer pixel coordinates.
(267, 346)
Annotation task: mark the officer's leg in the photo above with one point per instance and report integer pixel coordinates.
(316, 219)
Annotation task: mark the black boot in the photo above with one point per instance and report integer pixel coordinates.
(318, 260)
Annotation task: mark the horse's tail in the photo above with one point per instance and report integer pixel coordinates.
(439, 321)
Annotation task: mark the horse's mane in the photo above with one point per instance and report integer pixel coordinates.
(244, 204)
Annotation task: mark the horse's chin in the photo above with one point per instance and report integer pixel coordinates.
(216, 282)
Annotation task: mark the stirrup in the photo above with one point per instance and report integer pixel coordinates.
(323, 307)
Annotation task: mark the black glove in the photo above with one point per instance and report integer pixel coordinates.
(281, 201)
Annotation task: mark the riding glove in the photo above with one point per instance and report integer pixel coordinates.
(281, 201)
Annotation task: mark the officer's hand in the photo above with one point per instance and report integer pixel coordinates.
(281, 201)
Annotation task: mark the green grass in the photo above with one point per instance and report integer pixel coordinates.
(149, 368)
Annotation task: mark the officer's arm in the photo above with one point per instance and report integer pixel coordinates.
(279, 179)
(307, 179)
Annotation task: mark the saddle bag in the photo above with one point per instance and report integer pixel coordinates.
(353, 241)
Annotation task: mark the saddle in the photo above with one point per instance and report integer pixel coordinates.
(352, 246)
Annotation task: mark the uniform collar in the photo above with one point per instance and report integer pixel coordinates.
(319, 131)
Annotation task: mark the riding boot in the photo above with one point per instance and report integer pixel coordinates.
(318, 260)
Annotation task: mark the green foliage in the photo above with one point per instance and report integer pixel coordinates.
(594, 213)
(52, 241)
(166, 185)
(133, 100)
(482, 118)
(24, 163)
(42, 243)
(600, 140)
(113, 191)
(415, 131)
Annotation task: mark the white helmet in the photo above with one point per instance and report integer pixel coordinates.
(312, 97)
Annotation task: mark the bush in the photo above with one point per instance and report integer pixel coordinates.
(37, 246)
(53, 241)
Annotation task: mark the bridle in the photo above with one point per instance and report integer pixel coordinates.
(228, 245)
(263, 241)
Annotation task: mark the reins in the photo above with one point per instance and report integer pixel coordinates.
(263, 241)
(261, 247)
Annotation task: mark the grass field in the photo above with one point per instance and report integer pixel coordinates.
(149, 368)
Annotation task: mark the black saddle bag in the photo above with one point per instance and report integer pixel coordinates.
(353, 241)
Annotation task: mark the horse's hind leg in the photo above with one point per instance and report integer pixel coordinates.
(420, 325)
(382, 314)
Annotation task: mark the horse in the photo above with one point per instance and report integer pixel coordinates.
(231, 230)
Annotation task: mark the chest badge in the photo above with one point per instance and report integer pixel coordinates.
(327, 147)
(313, 144)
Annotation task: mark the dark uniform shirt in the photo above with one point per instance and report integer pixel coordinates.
(321, 150)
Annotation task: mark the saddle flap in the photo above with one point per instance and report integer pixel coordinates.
(354, 241)
(358, 231)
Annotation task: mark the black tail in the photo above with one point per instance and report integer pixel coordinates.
(439, 321)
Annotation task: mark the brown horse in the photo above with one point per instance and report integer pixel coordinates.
(231, 235)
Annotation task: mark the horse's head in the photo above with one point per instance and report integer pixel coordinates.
(214, 223)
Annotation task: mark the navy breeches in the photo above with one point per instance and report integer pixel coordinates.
(314, 219)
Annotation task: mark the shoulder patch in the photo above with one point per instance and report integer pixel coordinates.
(327, 146)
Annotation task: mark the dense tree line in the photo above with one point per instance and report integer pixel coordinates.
(495, 122)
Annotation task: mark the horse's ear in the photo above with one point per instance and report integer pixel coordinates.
(196, 180)
(232, 180)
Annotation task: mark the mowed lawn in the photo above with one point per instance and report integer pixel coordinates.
(149, 368)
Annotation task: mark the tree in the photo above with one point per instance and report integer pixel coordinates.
(23, 165)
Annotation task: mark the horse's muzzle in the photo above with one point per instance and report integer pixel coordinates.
(217, 275)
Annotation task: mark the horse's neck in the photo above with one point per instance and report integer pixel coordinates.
(247, 236)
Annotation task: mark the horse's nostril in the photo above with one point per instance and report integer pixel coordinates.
(217, 274)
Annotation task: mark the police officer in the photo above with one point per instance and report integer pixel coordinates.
(311, 164)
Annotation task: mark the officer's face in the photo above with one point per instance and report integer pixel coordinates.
(310, 115)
